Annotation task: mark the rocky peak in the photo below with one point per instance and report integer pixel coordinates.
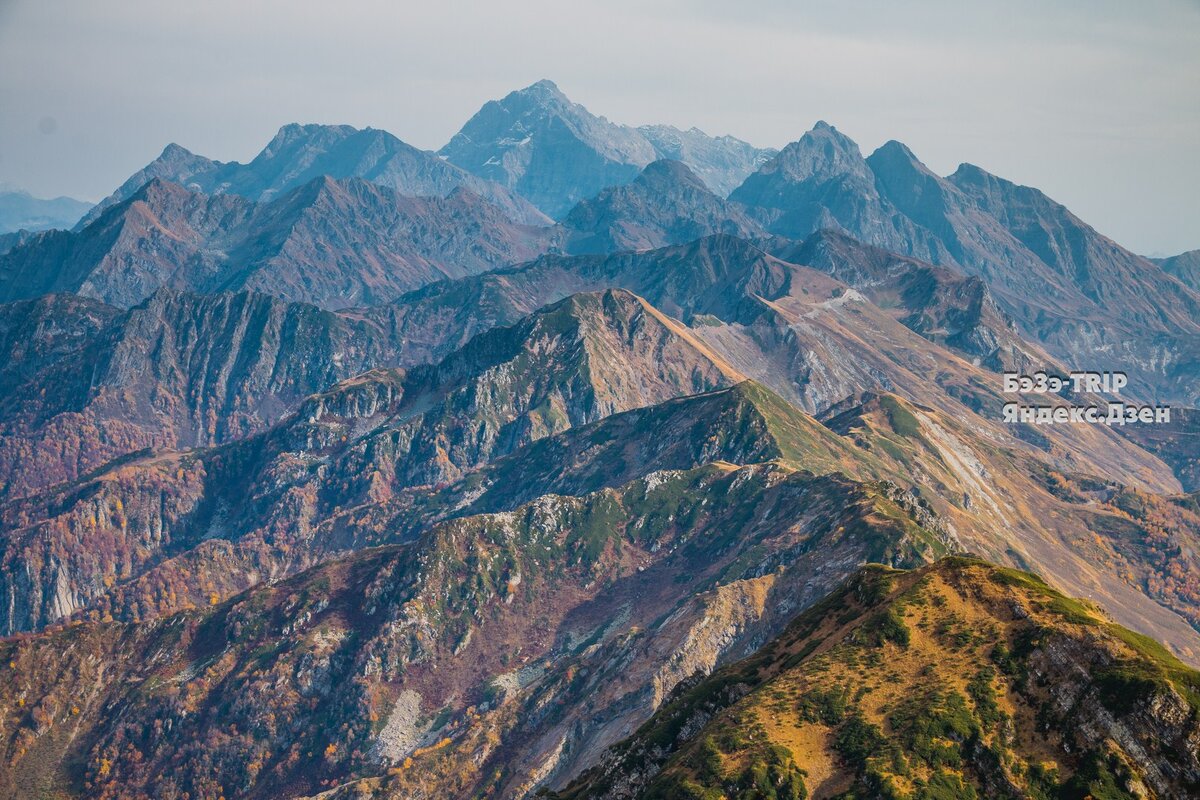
(669, 172)
(821, 153)
(1185, 267)
(666, 204)
(544, 93)
(894, 164)
(722, 162)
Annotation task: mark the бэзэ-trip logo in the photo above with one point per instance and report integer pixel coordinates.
(1111, 412)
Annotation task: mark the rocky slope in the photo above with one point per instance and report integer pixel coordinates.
(163, 345)
(1067, 286)
(397, 654)
(1185, 267)
(941, 303)
(492, 651)
(581, 360)
(666, 204)
(84, 383)
(722, 162)
(300, 154)
(333, 243)
(721, 279)
(555, 153)
(953, 681)
(805, 335)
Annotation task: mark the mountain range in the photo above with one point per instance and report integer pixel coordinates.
(22, 211)
(587, 460)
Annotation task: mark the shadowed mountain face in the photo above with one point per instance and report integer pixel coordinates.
(666, 204)
(86, 383)
(302, 153)
(575, 362)
(334, 243)
(556, 153)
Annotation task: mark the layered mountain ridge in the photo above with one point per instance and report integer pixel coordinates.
(1066, 285)
(335, 243)
(346, 473)
(20, 211)
(298, 154)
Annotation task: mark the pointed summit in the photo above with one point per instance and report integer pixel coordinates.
(551, 151)
(821, 181)
(543, 88)
(554, 152)
(822, 152)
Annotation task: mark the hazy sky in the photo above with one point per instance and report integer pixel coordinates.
(1097, 103)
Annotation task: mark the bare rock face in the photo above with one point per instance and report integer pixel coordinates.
(333, 243)
(722, 162)
(382, 433)
(822, 181)
(86, 383)
(547, 149)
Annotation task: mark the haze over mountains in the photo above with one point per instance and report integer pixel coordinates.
(363, 471)
(21, 211)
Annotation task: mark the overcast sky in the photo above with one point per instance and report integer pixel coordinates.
(1095, 102)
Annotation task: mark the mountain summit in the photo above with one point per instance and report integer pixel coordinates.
(554, 152)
